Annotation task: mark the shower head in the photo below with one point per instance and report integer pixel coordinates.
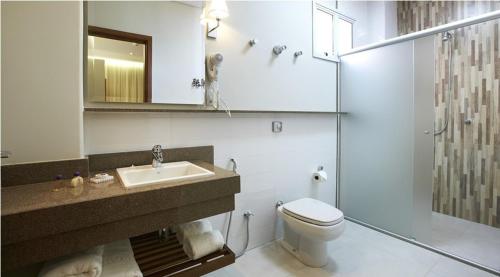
(446, 36)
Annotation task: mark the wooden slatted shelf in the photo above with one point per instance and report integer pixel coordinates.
(161, 258)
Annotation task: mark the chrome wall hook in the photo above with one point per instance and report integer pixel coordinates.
(252, 42)
(298, 53)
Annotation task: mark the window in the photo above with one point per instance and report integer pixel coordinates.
(332, 32)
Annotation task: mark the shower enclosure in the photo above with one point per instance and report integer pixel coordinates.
(420, 141)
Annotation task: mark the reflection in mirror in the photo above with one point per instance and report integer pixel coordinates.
(118, 69)
(179, 56)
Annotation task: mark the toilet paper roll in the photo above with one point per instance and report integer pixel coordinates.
(320, 176)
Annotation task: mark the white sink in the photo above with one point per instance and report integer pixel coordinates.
(135, 176)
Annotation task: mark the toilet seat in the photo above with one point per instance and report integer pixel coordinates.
(313, 211)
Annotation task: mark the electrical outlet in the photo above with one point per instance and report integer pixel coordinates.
(277, 126)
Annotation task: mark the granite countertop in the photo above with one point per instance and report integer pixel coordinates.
(38, 196)
(67, 220)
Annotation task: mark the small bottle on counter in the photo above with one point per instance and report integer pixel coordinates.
(59, 183)
(77, 179)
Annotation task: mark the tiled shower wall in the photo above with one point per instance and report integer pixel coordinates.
(466, 181)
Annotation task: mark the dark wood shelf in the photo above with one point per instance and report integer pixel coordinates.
(165, 257)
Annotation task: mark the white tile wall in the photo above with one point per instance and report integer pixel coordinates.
(273, 166)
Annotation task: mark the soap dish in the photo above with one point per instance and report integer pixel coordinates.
(101, 178)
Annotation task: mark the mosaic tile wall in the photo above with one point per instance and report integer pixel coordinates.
(466, 181)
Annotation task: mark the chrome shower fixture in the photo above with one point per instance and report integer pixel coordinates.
(446, 36)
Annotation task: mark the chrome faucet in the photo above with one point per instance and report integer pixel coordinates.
(157, 156)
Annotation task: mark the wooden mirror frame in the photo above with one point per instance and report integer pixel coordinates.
(131, 37)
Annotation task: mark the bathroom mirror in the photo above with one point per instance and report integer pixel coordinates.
(145, 52)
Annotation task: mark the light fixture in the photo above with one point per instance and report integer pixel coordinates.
(214, 9)
(217, 9)
(118, 62)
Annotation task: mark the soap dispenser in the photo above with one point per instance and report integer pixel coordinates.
(77, 179)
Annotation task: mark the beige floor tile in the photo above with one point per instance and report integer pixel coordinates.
(467, 239)
(359, 252)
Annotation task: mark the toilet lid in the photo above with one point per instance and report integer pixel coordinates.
(313, 211)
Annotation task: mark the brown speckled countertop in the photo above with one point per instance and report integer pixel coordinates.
(50, 208)
(26, 198)
(44, 220)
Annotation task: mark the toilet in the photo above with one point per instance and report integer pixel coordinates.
(309, 225)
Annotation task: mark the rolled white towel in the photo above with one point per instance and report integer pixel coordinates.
(193, 228)
(200, 245)
(118, 260)
(84, 264)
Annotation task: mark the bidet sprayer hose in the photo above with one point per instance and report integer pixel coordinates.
(247, 215)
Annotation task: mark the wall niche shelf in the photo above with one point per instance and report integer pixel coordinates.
(132, 110)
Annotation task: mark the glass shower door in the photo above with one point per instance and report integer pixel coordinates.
(418, 155)
(378, 137)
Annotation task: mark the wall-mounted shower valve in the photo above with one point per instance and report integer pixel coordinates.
(248, 213)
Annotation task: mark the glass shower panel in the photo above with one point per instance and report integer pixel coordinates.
(424, 137)
(377, 137)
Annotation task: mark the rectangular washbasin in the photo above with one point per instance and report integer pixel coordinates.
(135, 176)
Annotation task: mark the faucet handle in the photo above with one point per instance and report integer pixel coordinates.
(156, 148)
(157, 153)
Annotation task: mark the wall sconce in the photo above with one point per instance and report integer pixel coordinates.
(215, 9)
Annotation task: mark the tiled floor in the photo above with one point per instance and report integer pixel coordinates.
(360, 251)
(473, 241)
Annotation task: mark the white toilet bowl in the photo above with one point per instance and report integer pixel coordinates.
(309, 225)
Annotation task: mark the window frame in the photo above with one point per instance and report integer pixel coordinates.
(336, 15)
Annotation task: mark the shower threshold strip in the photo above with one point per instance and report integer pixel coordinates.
(428, 247)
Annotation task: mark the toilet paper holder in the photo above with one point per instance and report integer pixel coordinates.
(320, 175)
